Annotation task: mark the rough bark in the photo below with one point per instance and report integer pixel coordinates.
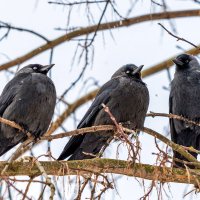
(145, 171)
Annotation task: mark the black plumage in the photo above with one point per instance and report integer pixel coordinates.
(184, 100)
(127, 98)
(29, 100)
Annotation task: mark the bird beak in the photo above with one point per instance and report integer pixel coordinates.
(138, 70)
(177, 62)
(46, 68)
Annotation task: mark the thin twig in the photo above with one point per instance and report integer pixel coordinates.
(179, 38)
(48, 179)
(99, 23)
(173, 145)
(19, 191)
(93, 129)
(178, 117)
(103, 26)
(27, 188)
(76, 3)
(120, 132)
(9, 27)
(14, 125)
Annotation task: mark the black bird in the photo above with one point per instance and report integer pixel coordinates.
(127, 98)
(184, 100)
(29, 100)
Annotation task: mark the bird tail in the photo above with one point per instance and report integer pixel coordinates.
(189, 139)
(80, 155)
(92, 150)
(88, 149)
(4, 149)
(77, 155)
(182, 158)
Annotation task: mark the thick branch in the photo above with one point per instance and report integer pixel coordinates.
(105, 26)
(167, 63)
(149, 131)
(163, 174)
(155, 134)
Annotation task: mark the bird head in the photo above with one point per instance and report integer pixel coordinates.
(186, 61)
(36, 68)
(129, 70)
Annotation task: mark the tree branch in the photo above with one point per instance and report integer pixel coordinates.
(166, 64)
(152, 70)
(150, 172)
(170, 115)
(177, 37)
(70, 109)
(76, 3)
(180, 149)
(104, 26)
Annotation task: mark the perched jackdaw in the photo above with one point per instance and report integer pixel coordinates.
(127, 98)
(184, 100)
(29, 100)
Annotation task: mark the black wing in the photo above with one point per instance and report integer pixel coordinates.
(103, 96)
(10, 91)
(6, 98)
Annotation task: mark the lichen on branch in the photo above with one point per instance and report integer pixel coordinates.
(128, 168)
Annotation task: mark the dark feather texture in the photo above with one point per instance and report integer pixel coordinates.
(185, 101)
(29, 100)
(127, 98)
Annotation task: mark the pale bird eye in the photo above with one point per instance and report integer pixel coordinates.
(127, 71)
(34, 68)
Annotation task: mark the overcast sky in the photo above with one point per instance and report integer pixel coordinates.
(145, 43)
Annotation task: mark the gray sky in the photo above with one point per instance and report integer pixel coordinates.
(144, 43)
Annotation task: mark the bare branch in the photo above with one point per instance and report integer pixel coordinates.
(9, 27)
(167, 63)
(104, 26)
(12, 124)
(173, 145)
(178, 38)
(48, 179)
(156, 3)
(99, 23)
(152, 114)
(76, 3)
(99, 166)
